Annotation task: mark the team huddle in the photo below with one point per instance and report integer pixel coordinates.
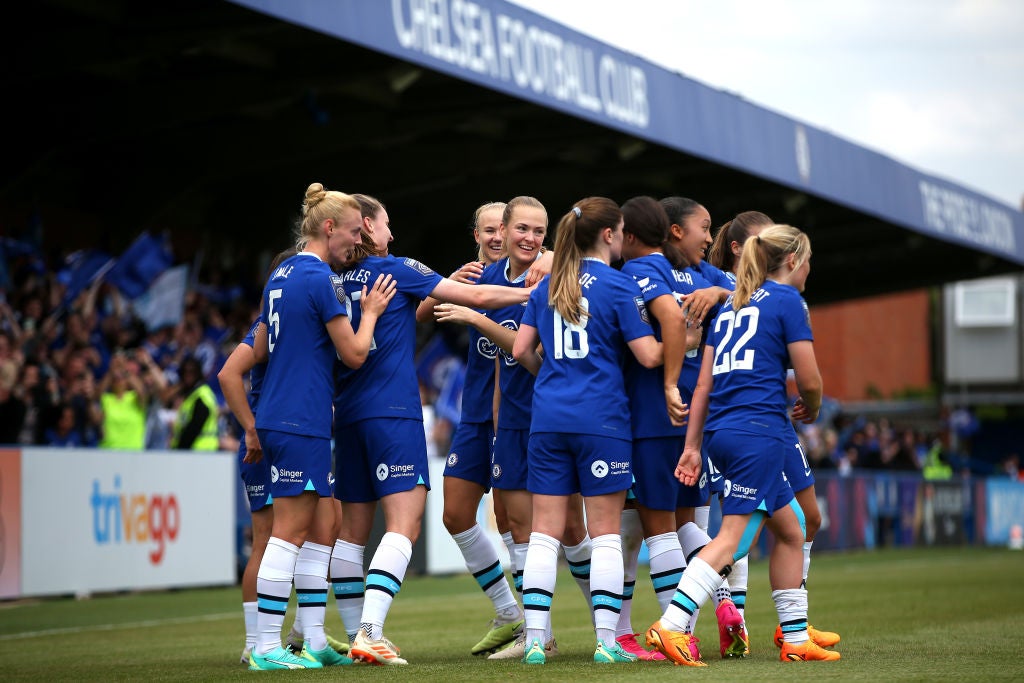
(602, 405)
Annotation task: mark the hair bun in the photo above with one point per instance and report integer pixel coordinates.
(314, 194)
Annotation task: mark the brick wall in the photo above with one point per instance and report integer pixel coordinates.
(882, 341)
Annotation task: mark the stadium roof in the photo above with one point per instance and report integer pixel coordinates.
(210, 118)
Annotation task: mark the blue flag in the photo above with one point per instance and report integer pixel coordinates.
(163, 304)
(81, 269)
(140, 265)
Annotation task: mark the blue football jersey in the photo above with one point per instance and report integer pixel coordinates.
(580, 387)
(715, 275)
(300, 297)
(478, 389)
(655, 277)
(690, 281)
(259, 370)
(386, 385)
(516, 383)
(752, 358)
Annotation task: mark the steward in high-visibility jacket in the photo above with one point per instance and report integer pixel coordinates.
(196, 425)
(935, 466)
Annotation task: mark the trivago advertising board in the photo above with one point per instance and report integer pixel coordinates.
(106, 520)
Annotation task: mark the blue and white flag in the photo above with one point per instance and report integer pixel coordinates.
(163, 303)
(140, 265)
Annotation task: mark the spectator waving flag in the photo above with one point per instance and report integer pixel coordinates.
(140, 265)
(81, 269)
(163, 303)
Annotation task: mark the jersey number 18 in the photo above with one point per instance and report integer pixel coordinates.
(571, 338)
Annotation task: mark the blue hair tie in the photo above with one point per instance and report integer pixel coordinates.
(576, 210)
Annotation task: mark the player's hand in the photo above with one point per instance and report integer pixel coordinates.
(469, 273)
(699, 302)
(803, 413)
(453, 313)
(688, 468)
(374, 301)
(677, 410)
(253, 449)
(540, 268)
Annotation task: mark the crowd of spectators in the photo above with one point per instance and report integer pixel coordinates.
(865, 444)
(84, 371)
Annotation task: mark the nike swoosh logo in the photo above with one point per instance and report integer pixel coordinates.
(290, 665)
(807, 471)
(714, 478)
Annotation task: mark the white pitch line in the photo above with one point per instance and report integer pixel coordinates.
(114, 627)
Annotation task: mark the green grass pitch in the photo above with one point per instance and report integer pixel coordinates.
(917, 614)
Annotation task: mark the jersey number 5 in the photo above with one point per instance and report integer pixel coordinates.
(273, 318)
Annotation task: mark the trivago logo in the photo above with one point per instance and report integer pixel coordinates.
(134, 518)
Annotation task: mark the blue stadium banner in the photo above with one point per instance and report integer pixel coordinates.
(506, 48)
(1004, 509)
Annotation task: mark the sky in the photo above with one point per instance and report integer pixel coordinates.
(935, 84)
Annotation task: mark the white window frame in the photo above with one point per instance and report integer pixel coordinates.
(968, 293)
